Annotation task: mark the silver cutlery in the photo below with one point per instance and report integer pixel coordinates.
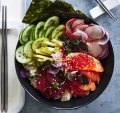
(105, 8)
(4, 62)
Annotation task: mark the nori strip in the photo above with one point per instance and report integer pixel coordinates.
(36, 9)
(40, 10)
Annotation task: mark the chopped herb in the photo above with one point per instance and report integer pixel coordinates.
(45, 65)
(55, 84)
(61, 73)
(67, 50)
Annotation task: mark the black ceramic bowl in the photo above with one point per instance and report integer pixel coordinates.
(108, 64)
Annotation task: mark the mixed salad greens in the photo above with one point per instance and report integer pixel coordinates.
(61, 58)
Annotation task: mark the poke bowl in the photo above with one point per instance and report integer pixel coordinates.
(63, 59)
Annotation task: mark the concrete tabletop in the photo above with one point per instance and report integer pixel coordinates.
(109, 101)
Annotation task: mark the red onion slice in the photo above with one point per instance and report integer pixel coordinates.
(24, 73)
(105, 52)
(95, 32)
(57, 64)
(68, 26)
(76, 22)
(80, 34)
(81, 27)
(103, 40)
(94, 49)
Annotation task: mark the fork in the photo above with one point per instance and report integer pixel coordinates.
(4, 63)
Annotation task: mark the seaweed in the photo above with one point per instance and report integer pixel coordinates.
(36, 9)
(40, 10)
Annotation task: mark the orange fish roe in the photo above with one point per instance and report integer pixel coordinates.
(82, 61)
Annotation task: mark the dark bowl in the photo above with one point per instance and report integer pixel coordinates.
(108, 64)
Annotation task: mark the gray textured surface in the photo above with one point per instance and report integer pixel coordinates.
(109, 101)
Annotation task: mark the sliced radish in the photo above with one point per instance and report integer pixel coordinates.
(80, 34)
(103, 40)
(81, 27)
(68, 26)
(94, 49)
(76, 22)
(103, 30)
(95, 32)
(105, 52)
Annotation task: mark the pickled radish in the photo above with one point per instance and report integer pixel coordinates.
(95, 32)
(103, 40)
(105, 52)
(68, 26)
(81, 27)
(80, 34)
(94, 49)
(76, 22)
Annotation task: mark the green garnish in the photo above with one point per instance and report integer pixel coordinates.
(55, 84)
(45, 65)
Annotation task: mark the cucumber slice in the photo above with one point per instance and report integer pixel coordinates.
(28, 49)
(37, 43)
(41, 33)
(52, 21)
(20, 37)
(60, 34)
(38, 28)
(57, 30)
(32, 35)
(59, 43)
(20, 56)
(27, 32)
(49, 31)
